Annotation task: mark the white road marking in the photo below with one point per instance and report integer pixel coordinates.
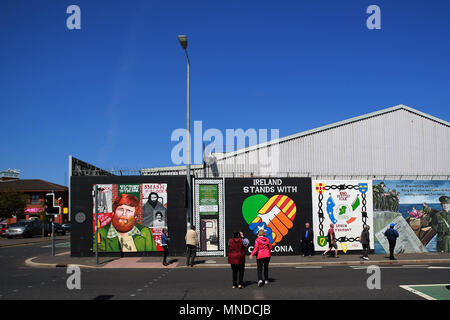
(394, 267)
(414, 265)
(312, 267)
(423, 295)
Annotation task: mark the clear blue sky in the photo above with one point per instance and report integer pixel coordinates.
(112, 93)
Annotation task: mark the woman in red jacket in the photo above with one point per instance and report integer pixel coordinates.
(236, 258)
(262, 247)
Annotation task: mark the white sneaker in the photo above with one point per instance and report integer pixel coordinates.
(365, 258)
(266, 282)
(260, 283)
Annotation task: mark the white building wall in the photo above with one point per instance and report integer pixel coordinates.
(398, 144)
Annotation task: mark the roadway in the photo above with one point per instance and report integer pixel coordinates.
(21, 282)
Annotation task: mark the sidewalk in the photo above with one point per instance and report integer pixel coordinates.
(63, 259)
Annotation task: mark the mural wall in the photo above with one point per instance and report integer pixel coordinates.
(132, 212)
(279, 206)
(347, 204)
(131, 217)
(419, 209)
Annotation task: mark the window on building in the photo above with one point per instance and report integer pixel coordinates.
(34, 199)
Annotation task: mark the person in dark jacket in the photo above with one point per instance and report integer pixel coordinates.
(391, 234)
(165, 245)
(307, 241)
(365, 241)
(236, 258)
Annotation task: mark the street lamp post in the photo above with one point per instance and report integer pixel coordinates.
(184, 42)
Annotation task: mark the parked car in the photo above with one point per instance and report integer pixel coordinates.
(66, 226)
(30, 228)
(24, 229)
(59, 229)
(3, 228)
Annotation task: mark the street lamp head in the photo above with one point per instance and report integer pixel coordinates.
(183, 41)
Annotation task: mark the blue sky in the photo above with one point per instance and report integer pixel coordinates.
(112, 93)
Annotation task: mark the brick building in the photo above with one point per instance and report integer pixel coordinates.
(36, 190)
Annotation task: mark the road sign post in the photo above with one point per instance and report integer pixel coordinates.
(53, 238)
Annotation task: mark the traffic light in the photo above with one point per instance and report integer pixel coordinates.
(50, 204)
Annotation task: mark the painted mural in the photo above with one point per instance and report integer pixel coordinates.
(419, 209)
(347, 204)
(279, 206)
(131, 217)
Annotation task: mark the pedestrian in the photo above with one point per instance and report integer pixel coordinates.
(191, 243)
(365, 241)
(236, 258)
(262, 249)
(307, 241)
(391, 234)
(165, 245)
(331, 242)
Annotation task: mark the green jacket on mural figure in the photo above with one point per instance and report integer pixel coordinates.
(110, 240)
(440, 222)
(377, 191)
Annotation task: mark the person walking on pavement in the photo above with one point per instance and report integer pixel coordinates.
(365, 241)
(307, 241)
(331, 242)
(236, 258)
(391, 234)
(165, 245)
(191, 243)
(262, 249)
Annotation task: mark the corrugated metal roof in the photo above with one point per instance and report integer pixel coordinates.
(222, 156)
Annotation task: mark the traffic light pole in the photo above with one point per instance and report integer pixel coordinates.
(53, 227)
(53, 238)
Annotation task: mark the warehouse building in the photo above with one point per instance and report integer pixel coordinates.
(394, 143)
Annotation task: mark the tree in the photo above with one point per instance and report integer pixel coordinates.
(12, 203)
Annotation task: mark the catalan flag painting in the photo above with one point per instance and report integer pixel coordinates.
(278, 206)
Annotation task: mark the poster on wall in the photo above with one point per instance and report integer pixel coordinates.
(278, 206)
(419, 210)
(208, 199)
(131, 217)
(209, 216)
(347, 204)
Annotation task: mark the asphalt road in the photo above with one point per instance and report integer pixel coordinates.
(19, 282)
